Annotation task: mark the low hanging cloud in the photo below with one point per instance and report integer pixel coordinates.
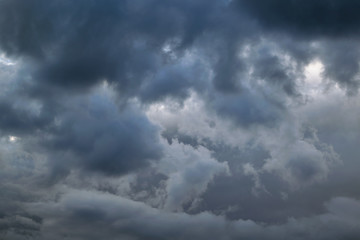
(183, 119)
(81, 210)
(98, 136)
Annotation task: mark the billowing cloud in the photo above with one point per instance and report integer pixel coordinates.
(81, 211)
(182, 119)
(99, 136)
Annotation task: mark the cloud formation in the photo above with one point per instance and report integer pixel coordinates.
(182, 119)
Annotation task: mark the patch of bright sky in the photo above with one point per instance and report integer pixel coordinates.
(6, 61)
(312, 85)
(13, 139)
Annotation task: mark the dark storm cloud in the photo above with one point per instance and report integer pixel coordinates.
(84, 43)
(333, 23)
(15, 120)
(336, 18)
(88, 75)
(103, 138)
(75, 48)
(76, 44)
(89, 131)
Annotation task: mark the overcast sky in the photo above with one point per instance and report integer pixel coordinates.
(179, 119)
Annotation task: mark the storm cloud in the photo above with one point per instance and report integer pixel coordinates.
(179, 119)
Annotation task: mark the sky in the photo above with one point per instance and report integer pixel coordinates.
(179, 119)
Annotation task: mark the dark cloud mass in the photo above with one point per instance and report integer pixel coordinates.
(179, 119)
(103, 139)
(323, 17)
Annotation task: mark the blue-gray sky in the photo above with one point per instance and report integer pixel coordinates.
(179, 119)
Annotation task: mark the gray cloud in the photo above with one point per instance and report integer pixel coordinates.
(82, 210)
(98, 136)
(179, 119)
(306, 18)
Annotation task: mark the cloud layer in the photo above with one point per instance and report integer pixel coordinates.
(179, 119)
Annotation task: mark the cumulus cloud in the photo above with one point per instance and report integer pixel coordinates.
(179, 119)
(99, 136)
(190, 171)
(79, 211)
